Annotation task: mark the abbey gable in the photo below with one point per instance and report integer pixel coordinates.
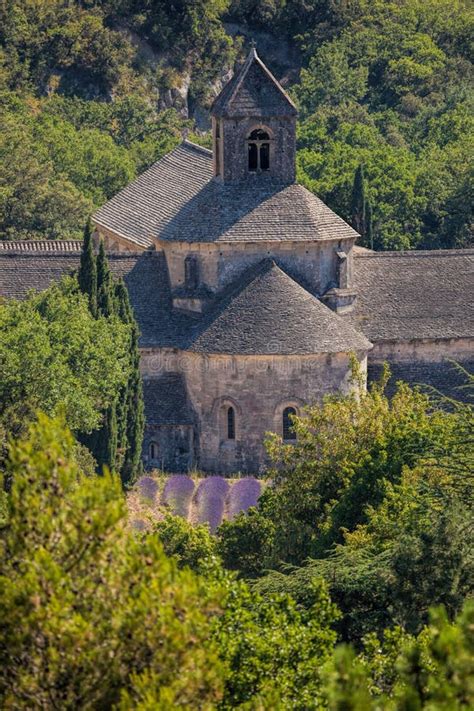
(251, 295)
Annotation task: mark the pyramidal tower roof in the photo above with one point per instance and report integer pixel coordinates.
(253, 91)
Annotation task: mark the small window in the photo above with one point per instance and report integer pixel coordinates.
(191, 272)
(153, 450)
(258, 151)
(289, 433)
(230, 423)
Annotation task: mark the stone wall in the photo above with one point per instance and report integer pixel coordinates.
(312, 264)
(174, 445)
(234, 152)
(258, 388)
(424, 350)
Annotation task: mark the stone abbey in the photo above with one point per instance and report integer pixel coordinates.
(252, 296)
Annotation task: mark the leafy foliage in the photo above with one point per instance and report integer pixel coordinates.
(92, 616)
(86, 90)
(55, 355)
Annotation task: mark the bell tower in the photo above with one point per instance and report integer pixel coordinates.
(254, 127)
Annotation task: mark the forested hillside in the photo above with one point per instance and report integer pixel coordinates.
(93, 92)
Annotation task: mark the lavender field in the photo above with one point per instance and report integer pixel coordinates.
(209, 500)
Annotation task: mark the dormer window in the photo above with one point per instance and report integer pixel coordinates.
(258, 151)
(191, 272)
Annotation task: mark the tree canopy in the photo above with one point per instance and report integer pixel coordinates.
(93, 93)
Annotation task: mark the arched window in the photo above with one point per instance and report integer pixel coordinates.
(230, 423)
(153, 450)
(258, 151)
(289, 433)
(191, 272)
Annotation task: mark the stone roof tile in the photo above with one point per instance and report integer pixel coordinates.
(266, 312)
(440, 378)
(253, 91)
(176, 200)
(140, 211)
(412, 295)
(255, 211)
(166, 400)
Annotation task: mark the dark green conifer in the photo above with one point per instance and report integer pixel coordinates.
(133, 412)
(87, 276)
(105, 301)
(369, 235)
(358, 202)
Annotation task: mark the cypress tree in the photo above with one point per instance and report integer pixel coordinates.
(369, 236)
(133, 406)
(87, 275)
(358, 202)
(105, 305)
(105, 451)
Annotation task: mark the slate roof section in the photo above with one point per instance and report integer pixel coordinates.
(404, 296)
(145, 275)
(22, 271)
(41, 247)
(140, 211)
(166, 400)
(268, 313)
(440, 378)
(253, 91)
(256, 212)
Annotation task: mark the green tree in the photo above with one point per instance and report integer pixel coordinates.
(54, 355)
(93, 617)
(131, 406)
(358, 202)
(105, 295)
(87, 274)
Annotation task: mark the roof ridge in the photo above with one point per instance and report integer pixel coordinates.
(230, 90)
(195, 146)
(43, 246)
(423, 253)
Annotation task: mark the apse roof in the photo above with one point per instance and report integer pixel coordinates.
(265, 312)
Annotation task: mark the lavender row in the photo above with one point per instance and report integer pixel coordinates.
(178, 493)
(208, 503)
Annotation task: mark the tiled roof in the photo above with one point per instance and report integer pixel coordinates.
(254, 212)
(23, 271)
(145, 275)
(253, 91)
(176, 200)
(412, 295)
(140, 211)
(42, 247)
(266, 312)
(439, 378)
(166, 400)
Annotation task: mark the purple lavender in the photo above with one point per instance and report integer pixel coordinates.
(243, 494)
(147, 487)
(177, 494)
(138, 524)
(210, 500)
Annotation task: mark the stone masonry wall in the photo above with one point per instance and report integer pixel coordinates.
(313, 264)
(282, 148)
(258, 388)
